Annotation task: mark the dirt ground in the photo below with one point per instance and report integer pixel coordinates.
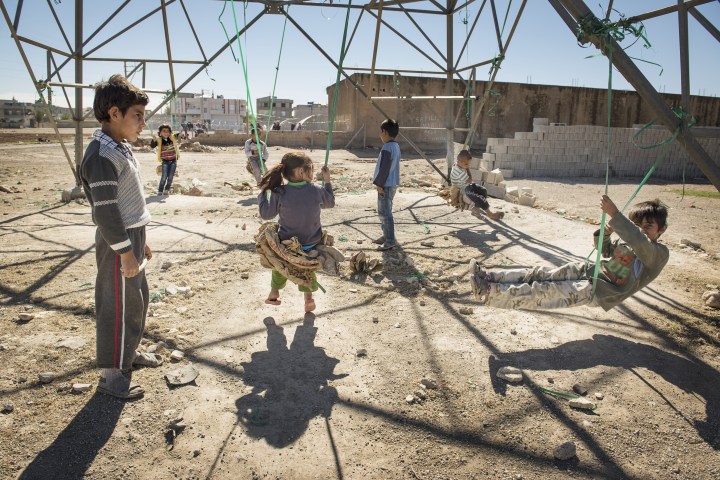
(284, 395)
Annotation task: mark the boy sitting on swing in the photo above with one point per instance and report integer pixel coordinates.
(461, 179)
(633, 262)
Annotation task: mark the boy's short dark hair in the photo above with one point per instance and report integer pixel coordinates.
(164, 126)
(117, 91)
(464, 155)
(391, 127)
(650, 210)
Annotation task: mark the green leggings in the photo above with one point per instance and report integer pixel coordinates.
(278, 281)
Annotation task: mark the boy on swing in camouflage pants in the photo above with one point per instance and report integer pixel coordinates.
(633, 262)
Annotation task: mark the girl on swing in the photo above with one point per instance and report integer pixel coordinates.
(297, 203)
(632, 263)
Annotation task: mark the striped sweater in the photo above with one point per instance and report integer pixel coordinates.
(111, 179)
(459, 177)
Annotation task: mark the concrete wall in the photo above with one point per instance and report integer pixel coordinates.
(510, 110)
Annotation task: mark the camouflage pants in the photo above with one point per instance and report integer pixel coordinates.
(540, 288)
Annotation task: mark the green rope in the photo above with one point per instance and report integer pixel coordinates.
(337, 85)
(247, 84)
(272, 97)
(559, 394)
(226, 34)
(506, 17)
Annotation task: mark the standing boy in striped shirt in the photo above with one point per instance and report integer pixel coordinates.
(111, 180)
(460, 178)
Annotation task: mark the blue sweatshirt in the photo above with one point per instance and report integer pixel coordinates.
(387, 170)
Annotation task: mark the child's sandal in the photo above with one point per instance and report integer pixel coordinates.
(273, 301)
(309, 305)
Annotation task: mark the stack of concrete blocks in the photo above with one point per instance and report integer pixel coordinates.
(581, 151)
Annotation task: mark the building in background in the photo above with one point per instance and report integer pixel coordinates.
(14, 114)
(312, 116)
(282, 109)
(213, 111)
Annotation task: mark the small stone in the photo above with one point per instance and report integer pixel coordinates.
(429, 383)
(550, 380)
(8, 407)
(361, 352)
(46, 377)
(427, 244)
(72, 343)
(353, 290)
(587, 423)
(579, 389)
(513, 331)
(397, 325)
(181, 310)
(599, 396)
(566, 451)
(421, 395)
(152, 348)
(375, 319)
(561, 211)
(675, 470)
(165, 265)
(196, 453)
(410, 399)
(21, 379)
(422, 303)
(360, 241)
(691, 244)
(81, 387)
(182, 376)
(582, 403)
(25, 317)
(510, 374)
(244, 275)
(177, 355)
(466, 310)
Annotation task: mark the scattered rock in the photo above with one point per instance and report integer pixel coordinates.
(81, 387)
(429, 383)
(46, 377)
(420, 394)
(513, 331)
(422, 303)
(561, 211)
(244, 275)
(510, 374)
(691, 244)
(171, 289)
(599, 396)
(375, 319)
(427, 244)
(181, 310)
(579, 389)
(361, 352)
(166, 265)
(566, 451)
(152, 348)
(182, 376)
(8, 407)
(73, 343)
(353, 290)
(410, 399)
(712, 298)
(397, 325)
(25, 317)
(466, 310)
(177, 355)
(582, 403)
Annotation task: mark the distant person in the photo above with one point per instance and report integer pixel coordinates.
(191, 128)
(633, 262)
(184, 126)
(257, 155)
(298, 204)
(299, 126)
(460, 178)
(111, 180)
(168, 154)
(292, 127)
(276, 126)
(386, 180)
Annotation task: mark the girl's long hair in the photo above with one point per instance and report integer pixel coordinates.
(273, 179)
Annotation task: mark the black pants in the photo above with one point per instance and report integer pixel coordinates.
(478, 195)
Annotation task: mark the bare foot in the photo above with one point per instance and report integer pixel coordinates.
(309, 303)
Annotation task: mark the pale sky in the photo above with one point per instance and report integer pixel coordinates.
(542, 51)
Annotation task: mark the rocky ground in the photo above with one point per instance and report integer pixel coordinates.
(393, 377)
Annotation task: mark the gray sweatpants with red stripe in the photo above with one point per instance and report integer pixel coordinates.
(121, 304)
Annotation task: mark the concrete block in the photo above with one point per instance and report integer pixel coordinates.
(506, 173)
(488, 156)
(490, 179)
(541, 121)
(495, 191)
(487, 164)
(476, 175)
(498, 176)
(526, 191)
(500, 149)
(475, 162)
(527, 200)
(512, 191)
